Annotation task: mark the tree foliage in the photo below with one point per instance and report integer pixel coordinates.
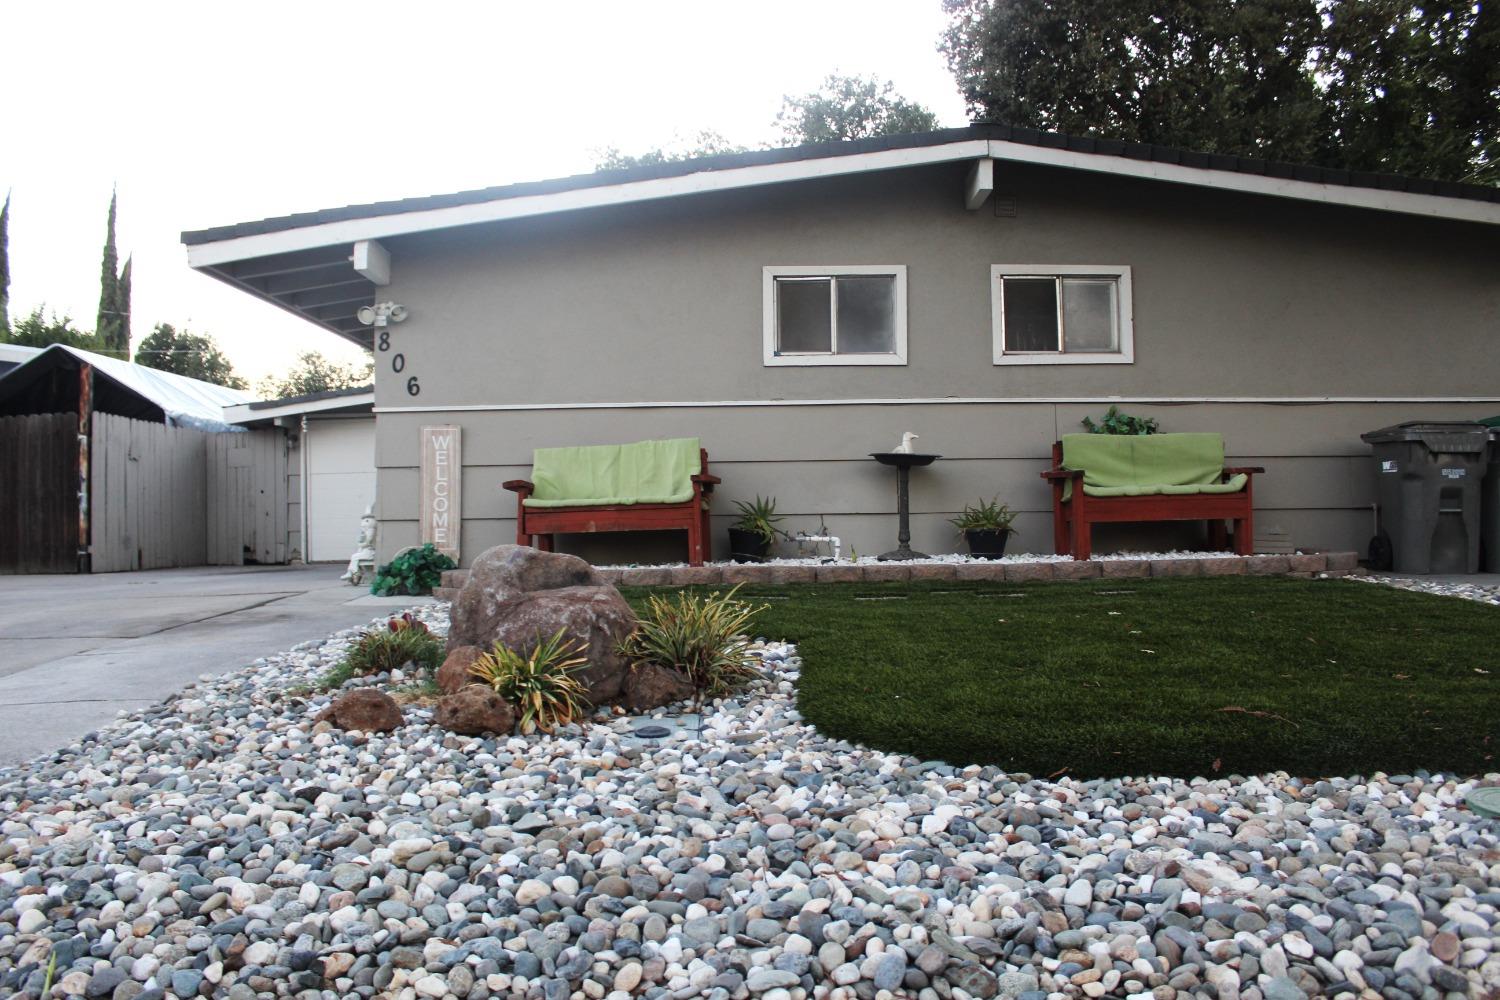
(42, 330)
(850, 107)
(844, 107)
(113, 324)
(315, 373)
(1384, 85)
(190, 354)
(705, 143)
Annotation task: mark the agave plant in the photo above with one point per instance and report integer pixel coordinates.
(703, 637)
(540, 684)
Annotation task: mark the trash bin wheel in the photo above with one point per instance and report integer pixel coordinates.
(1381, 556)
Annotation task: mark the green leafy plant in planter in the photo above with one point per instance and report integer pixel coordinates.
(751, 537)
(1115, 422)
(540, 684)
(986, 526)
(702, 637)
(414, 571)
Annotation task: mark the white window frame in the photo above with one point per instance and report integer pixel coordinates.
(1125, 354)
(771, 358)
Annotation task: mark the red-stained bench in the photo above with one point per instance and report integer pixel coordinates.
(536, 525)
(1100, 479)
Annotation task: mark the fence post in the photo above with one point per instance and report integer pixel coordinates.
(85, 427)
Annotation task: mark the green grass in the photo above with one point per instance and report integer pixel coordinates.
(1180, 677)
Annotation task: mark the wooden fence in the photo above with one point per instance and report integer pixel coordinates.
(247, 502)
(39, 493)
(148, 486)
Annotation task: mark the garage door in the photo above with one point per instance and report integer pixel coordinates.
(340, 485)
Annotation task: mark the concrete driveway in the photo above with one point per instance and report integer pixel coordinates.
(76, 650)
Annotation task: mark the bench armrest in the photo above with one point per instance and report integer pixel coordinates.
(1245, 469)
(521, 486)
(1063, 474)
(706, 479)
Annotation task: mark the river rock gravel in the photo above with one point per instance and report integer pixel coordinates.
(215, 845)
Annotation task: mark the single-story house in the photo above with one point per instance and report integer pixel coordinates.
(330, 469)
(985, 287)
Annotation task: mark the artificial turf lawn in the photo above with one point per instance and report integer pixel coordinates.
(1177, 677)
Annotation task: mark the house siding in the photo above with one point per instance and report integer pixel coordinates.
(1237, 297)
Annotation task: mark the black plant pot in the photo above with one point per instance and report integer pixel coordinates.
(987, 543)
(748, 546)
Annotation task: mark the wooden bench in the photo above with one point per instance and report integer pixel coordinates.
(536, 525)
(1100, 479)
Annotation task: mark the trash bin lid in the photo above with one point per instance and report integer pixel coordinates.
(1493, 422)
(1446, 437)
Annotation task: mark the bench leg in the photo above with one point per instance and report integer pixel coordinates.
(706, 532)
(543, 542)
(1059, 528)
(1244, 536)
(695, 542)
(1082, 546)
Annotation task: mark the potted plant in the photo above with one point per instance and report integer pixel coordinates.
(751, 537)
(986, 527)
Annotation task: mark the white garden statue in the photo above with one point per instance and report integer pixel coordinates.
(364, 555)
(905, 448)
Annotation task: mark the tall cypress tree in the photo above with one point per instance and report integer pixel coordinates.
(122, 309)
(106, 327)
(5, 266)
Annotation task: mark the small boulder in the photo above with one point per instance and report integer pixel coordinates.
(649, 686)
(504, 573)
(366, 709)
(475, 710)
(454, 673)
(594, 619)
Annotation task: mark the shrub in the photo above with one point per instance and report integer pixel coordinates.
(703, 637)
(380, 651)
(415, 571)
(540, 684)
(1115, 422)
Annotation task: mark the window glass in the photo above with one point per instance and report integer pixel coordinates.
(1089, 316)
(866, 314)
(803, 322)
(1030, 309)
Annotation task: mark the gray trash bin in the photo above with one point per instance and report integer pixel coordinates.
(1490, 532)
(1428, 483)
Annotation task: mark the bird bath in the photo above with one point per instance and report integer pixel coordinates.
(904, 463)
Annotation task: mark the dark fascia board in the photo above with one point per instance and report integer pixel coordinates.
(1047, 140)
(311, 397)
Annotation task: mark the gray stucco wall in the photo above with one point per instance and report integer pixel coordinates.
(1237, 298)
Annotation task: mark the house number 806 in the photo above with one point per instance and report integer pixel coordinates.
(412, 387)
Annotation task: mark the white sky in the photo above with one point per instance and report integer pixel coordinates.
(206, 114)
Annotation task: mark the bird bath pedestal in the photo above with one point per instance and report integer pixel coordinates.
(904, 462)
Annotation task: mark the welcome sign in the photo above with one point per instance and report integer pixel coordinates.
(442, 471)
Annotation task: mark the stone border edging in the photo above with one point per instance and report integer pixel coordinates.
(1304, 565)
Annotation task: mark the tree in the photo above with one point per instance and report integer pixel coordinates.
(850, 107)
(1381, 85)
(1414, 88)
(187, 354)
(113, 325)
(315, 373)
(705, 143)
(5, 266)
(38, 330)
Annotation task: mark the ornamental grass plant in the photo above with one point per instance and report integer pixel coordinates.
(702, 636)
(539, 683)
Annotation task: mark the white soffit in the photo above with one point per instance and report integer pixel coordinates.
(398, 223)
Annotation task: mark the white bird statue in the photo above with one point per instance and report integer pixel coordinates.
(905, 448)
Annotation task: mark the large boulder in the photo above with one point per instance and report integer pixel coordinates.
(475, 710)
(516, 595)
(366, 709)
(455, 673)
(649, 685)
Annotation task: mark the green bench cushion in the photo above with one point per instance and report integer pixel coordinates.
(609, 474)
(1149, 465)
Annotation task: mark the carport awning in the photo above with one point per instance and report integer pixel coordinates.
(320, 285)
